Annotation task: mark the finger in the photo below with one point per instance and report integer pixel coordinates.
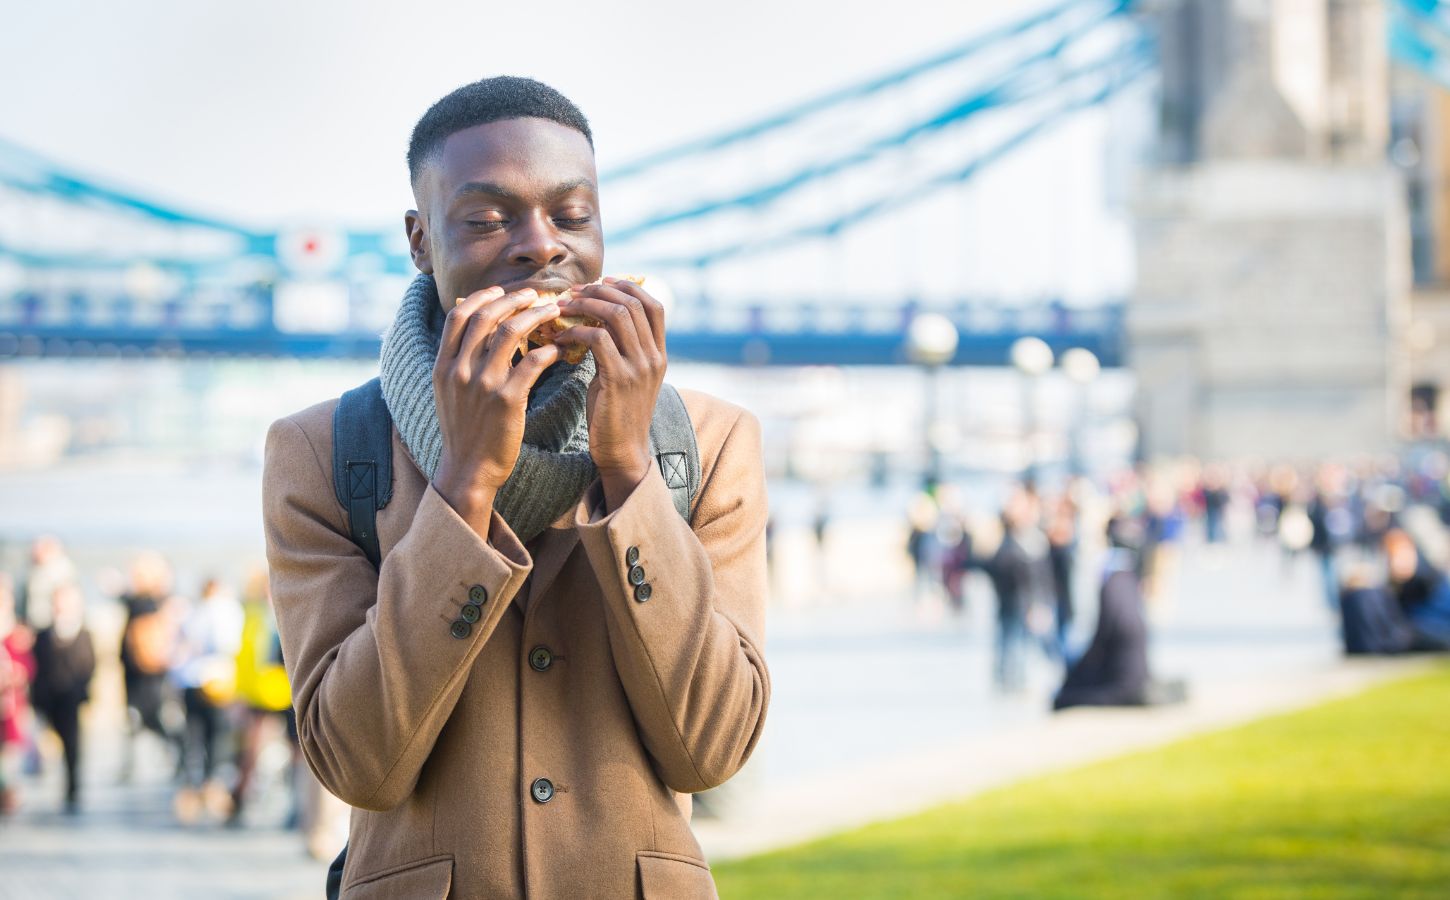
(654, 311)
(509, 337)
(642, 331)
(599, 342)
(620, 313)
(525, 374)
(485, 320)
(479, 319)
(456, 321)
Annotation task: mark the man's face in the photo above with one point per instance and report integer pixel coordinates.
(513, 203)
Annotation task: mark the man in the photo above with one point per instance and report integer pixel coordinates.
(50, 568)
(65, 662)
(549, 660)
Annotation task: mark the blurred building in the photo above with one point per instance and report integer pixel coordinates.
(1420, 146)
(1273, 236)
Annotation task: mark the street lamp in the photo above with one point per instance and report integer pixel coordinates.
(1033, 358)
(1081, 368)
(931, 342)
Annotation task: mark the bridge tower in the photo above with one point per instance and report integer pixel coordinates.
(1272, 236)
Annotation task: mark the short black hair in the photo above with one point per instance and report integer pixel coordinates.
(490, 100)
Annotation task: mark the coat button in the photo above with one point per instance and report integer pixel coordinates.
(542, 790)
(642, 592)
(470, 613)
(540, 658)
(631, 556)
(460, 629)
(478, 594)
(636, 575)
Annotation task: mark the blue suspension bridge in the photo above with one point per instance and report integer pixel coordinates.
(90, 269)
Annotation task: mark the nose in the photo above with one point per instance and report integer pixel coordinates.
(537, 242)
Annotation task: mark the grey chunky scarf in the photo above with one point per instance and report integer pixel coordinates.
(554, 466)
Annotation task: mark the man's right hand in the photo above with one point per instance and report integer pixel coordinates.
(482, 396)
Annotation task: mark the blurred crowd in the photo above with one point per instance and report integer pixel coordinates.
(197, 679)
(1377, 530)
(201, 679)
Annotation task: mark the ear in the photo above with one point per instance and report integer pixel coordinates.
(417, 231)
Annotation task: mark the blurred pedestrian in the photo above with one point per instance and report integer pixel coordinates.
(1161, 549)
(1021, 576)
(1062, 551)
(821, 521)
(65, 661)
(1274, 491)
(957, 561)
(1113, 671)
(820, 529)
(1330, 527)
(1371, 619)
(204, 668)
(49, 569)
(1296, 533)
(148, 641)
(17, 668)
(922, 547)
(1422, 589)
(263, 692)
(1215, 504)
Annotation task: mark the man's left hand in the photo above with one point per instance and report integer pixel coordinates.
(629, 350)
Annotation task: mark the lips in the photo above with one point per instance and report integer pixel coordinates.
(543, 287)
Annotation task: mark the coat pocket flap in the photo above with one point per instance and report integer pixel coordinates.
(669, 876)
(429, 879)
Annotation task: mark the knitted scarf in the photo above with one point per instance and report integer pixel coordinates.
(554, 466)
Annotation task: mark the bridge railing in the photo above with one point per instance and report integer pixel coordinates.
(244, 321)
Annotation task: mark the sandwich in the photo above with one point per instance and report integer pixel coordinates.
(548, 332)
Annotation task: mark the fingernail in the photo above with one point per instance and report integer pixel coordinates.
(610, 279)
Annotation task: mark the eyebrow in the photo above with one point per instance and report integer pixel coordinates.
(503, 193)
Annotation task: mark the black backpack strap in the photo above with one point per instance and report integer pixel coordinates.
(673, 437)
(362, 477)
(362, 462)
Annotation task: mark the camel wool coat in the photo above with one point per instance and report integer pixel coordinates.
(544, 742)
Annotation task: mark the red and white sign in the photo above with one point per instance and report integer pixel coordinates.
(311, 251)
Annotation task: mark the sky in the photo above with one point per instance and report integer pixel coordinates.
(269, 112)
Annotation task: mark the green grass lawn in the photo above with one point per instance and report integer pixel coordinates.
(1348, 799)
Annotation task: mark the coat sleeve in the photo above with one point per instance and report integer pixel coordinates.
(377, 657)
(688, 648)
